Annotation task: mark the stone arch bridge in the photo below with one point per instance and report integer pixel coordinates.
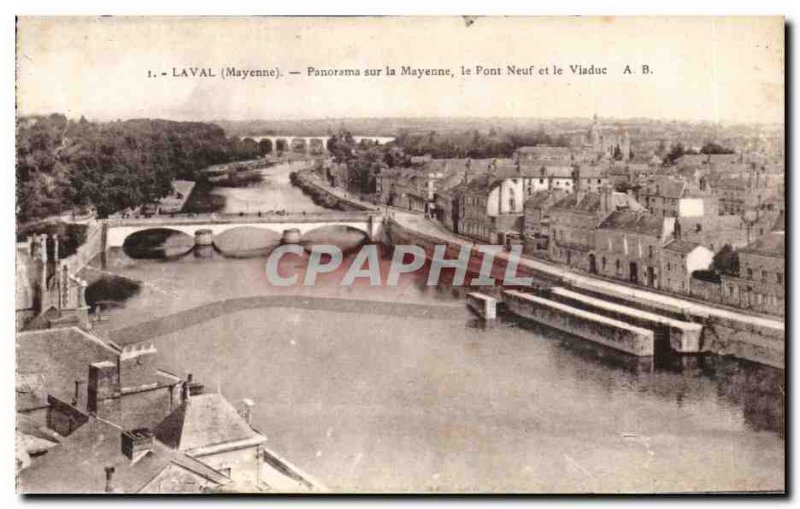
(312, 144)
(117, 230)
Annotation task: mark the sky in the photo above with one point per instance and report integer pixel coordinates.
(717, 69)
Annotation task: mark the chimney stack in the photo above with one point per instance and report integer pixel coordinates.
(109, 479)
(185, 393)
(136, 443)
(103, 390)
(246, 409)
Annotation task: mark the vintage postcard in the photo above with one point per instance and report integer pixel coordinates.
(400, 255)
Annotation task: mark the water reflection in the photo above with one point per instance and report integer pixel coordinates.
(158, 243)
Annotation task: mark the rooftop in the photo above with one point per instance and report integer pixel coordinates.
(682, 246)
(59, 357)
(589, 202)
(203, 421)
(770, 244)
(634, 222)
(96, 445)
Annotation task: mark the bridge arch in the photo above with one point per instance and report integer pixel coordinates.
(346, 237)
(157, 242)
(246, 239)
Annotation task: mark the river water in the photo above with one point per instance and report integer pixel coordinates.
(373, 402)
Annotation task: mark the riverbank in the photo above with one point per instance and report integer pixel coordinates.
(725, 332)
(356, 397)
(326, 196)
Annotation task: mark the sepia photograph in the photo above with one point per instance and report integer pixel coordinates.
(400, 255)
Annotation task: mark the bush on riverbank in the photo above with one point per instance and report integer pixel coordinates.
(111, 290)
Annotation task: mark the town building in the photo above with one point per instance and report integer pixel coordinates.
(535, 155)
(628, 246)
(116, 423)
(536, 222)
(679, 260)
(573, 222)
(676, 197)
(761, 282)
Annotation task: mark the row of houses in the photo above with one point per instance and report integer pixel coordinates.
(560, 203)
(97, 417)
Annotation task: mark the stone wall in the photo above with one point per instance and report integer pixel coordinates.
(705, 290)
(596, 328)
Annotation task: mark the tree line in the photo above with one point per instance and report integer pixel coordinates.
(364, 161)
(65, 164)
(474, 144)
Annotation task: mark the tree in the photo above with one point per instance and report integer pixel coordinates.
(726, 261)
(63, 165)
(715, 148)
(675, 152)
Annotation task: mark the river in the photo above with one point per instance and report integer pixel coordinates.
(374, 402)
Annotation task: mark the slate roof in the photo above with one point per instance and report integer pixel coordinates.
(528, 170)
(31, 392)
(544, 149)
(682, 246)
(667, 187)
(539, 198)
(590, 202)
(634, 222)
(78, 465)
(60, 357)
(203, 421)
(769, 244)
(692, 159)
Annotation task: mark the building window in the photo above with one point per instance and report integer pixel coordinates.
(749, 273)
(668, 267)
(779, 278)
(619, 266)
(649, 251)
(763, 276)
(603, 262)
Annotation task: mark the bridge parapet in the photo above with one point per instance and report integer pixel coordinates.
(118, 230)
(182, 219)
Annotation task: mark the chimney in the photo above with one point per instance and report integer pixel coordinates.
(185, 393)
(110, 480)
(606, 199)
(246, 409)
(136, 443)
(103, 390)
(76, 397)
